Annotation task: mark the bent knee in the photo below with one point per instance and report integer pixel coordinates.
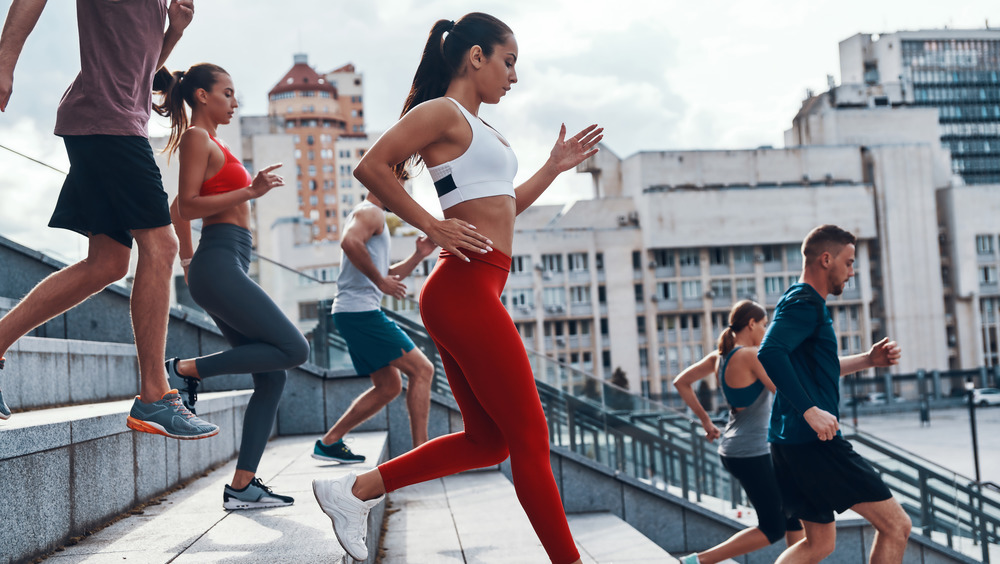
(297, 351)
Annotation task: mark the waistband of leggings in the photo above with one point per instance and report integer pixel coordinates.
(226, 232)
(492, 258)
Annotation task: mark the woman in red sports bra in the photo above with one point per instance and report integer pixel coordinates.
(215, 188)
(465, 64)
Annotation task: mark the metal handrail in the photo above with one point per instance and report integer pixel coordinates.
(663, 447)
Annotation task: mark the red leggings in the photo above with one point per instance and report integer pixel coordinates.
(493, 384)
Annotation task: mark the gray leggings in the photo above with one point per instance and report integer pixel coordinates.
(265, 342)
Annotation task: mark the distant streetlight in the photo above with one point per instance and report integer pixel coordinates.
(970, 385)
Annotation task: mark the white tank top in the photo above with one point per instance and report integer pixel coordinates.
(486, 168)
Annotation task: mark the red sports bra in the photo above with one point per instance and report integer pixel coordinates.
(232, 175)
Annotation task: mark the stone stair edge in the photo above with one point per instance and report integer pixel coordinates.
(40, 430)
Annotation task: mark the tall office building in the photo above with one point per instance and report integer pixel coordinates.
(955, 71)
(317, 110)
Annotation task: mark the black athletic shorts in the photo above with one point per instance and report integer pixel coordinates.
(113, 187)
(820, 477)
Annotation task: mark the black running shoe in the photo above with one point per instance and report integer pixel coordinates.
(190, 384)
(254, 495)
(337, 452)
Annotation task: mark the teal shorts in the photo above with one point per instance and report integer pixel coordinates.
(373, 340)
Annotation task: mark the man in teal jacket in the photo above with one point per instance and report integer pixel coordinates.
(818, 470)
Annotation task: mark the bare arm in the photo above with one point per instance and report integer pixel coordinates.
(883, 353)
(180, 13)
(365, 224)
(424, 125)
(757, 369)
(194, 152)
(183, 229)
(423, 248)
(566, 154)
(21, 19)
(684, 382)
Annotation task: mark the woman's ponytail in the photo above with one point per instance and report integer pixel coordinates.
(169, 85)
(739, 318)
(446, 46)
(177, 88)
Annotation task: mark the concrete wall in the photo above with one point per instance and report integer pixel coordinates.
(68, 470)
(681, 527)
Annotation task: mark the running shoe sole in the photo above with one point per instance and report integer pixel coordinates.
(234, 504)
(155, 429)
(334, 522)
(332, 459)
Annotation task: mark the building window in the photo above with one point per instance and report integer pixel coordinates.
(554, 297)
(662, 257)
(308, 310)
(666, 290)
(599, 262)
(520, 264)
(577, 262)
(579, 295)
(636, 260)
(774, 285)
(746, 288)
(552, 263)
(602, 295)
(688, 257)
(988, 275)
(638, 293)
(521, 297)
(691, 289)
(742, 255)
(640, 324)
(718, 256)
(722, 289)
(984, 244)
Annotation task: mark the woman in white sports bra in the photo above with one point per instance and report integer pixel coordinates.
(465, 64)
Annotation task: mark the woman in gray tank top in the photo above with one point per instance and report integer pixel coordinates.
(743, 445)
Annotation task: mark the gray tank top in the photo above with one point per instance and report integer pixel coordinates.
(355, 292)
(745, 434)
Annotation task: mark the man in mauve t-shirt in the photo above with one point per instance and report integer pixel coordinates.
(113, 193)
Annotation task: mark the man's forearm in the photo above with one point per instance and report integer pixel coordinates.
(170, 39)
(21, 19)
(854, 363)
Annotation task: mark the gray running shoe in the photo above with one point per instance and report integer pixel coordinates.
(348, 513)
(169, 417)
(254, 495)
(4, 410)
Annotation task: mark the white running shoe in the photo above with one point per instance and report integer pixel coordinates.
(348, 513)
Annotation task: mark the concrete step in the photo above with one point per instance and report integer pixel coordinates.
(42, 373)
(190, 525)
(475, 517)
(68, 470)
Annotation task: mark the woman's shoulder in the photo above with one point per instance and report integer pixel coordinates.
(437, 108)
(195, 136)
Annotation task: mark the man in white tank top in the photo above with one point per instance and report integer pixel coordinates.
(378, 347)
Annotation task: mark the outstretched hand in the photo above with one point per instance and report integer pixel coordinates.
(884, 353)
(265, 181)
(567, 153)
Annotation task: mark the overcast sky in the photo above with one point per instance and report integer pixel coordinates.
(657, 75)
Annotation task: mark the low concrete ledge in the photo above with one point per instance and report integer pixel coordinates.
(68, 470)
(43, 372)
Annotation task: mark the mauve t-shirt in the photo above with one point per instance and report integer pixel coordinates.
(120, 43)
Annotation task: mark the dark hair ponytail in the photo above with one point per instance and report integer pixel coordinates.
(739, 318)
(177, 88)
(442, 59)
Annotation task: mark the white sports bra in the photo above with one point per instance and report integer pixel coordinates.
(486, 168)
